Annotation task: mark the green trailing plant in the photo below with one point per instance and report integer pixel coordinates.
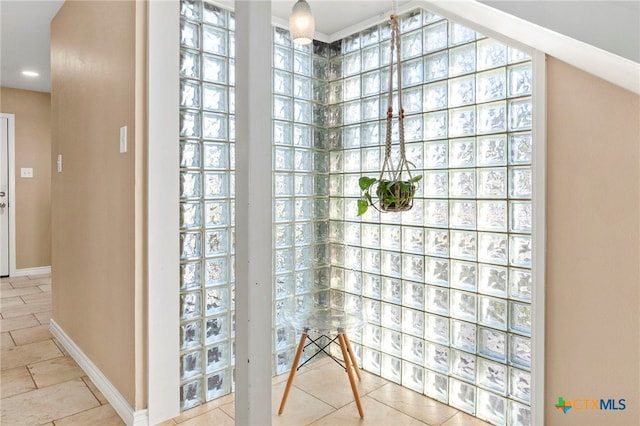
(390, 192)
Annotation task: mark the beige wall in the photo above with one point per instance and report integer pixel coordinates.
(33, 195)
(593, 246)
(97, 258)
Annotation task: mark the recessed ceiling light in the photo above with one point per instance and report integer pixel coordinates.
(30, 73)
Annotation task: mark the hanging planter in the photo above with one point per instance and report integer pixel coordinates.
(395, 187)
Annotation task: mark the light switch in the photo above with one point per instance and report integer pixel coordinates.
(123, 139)
(59, 163)
(26, 172)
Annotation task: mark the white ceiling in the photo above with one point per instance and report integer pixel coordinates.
(609, 25)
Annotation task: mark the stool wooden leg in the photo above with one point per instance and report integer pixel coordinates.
(352, 355)
(352, 380)
(292, 373)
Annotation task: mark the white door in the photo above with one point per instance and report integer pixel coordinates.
(4, 197)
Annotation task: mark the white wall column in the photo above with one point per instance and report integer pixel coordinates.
(253, 212)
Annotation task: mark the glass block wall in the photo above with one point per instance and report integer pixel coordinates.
(206, 202)
(447, 284)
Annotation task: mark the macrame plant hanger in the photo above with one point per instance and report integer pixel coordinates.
(395, 174)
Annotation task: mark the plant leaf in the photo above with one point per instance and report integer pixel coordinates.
(415, 178)
(365, 182)
(363, 206)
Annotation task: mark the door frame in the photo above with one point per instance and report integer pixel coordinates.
(11, 130)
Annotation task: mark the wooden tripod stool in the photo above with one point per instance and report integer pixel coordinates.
(349, 358)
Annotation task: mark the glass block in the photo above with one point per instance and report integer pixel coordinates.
(492, 312)
(413, 295)
(191, 394)
(492, 117)
(412, 376)
(462, 60)
(410, 21)
(351, 64)
(391, 368)
(284, 360)
(371, 360)
(492, 375)
(520, 148)
(520, 252)
(517, 55)
(492, 344)
(520, 216)
(435, 96)
(435, 125)
(391, 290)
(189, 94)
(214, 126)
(217, 356)
(189, 34)
(218, 384)
(189, 155)
(463, 214)
(491, 85)
(190, 9)
(492, 216)
(190, 245)
(520, 384)
(463, 365)
(437, 242)
(189, 124)
(282, 82)
(411, 44)
(216, 213)
(282, 133)
(491, 54)
(436, 329)
(190, 305)
(190, 335)
(190, 215)
(391, 315)
(283, 159)
(216, 271)
(301, 63)
(437, 271)
(216, 185)
(282, 58)
(459, 34)
(520, 318)
(214, 40)
(216, 155)
(435, 37)
(413, 322)
(391, 264)
(492, 280)
(520, 114)
(462, 91)
(214, 97)
(390, 237)
(463, 305)
(436, 66)
(520, 80)
(413, 132)
(462, 396)
(462, 122)
(217, 300)
(492, 248)
(371, 83)
(283, 260)
(520, 351)
(413, 240)
(283, 286)
(491, 407)
(463, 245)
(436, 357)
(519, 414)
(214, 69)
(462, 152)
(464, 275)
(370, 108)
(391, 342)
(320, 68)
(492, 150)
(435, 155)
(283, 210)
(463, 335)
(492, 183)
(437, 213)
(436, 184)
(190, 275)
(520, 284)
(437, 300)
(371, 286)
(436, 386)
(189, 64)
(190, 365)
(302, 111)
(217, 329)
(520, 182)
(304, 281)
(302, 87)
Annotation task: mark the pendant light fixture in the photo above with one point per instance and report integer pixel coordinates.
(301, 23)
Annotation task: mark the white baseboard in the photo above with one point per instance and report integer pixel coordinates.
(115, 398)
(31, 271)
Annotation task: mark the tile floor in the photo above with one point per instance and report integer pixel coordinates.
(42, 385)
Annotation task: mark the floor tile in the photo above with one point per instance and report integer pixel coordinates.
(7, 341)
(96, 392)
(20, 291)
(57, 370)
(28, 335)
(29, 354)
(24, 284)
(414, 404)
(47, 404)
(16, 323)
(15, 381)
(5, 285)
(169, 422)
(43, 317)
(201, 409)
(301, 408)
(37, 298)
(374, 413)
(230, 409)
(40, 277)
(213, 417)
(25, 309)
(104, 415)
(463, 419)
(5, 302)
(45, 287)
